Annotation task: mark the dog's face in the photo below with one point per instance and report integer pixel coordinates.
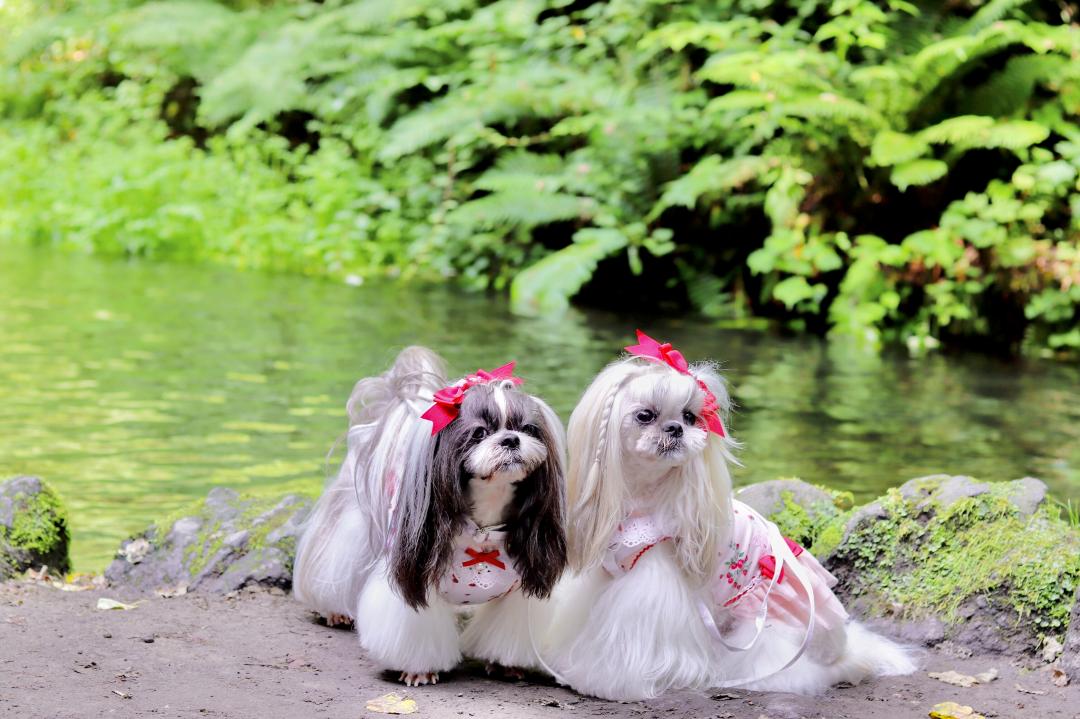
(659, 415)
(501, 435)
(498, 434)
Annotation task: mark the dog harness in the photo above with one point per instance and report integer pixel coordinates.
(480, 570)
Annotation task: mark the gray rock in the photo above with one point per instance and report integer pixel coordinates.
(866, 514)
(942, 489)
(768, 497)
(33, 528)
(225, 543)
(1069, 661)
(888, 542)
(1028, 495)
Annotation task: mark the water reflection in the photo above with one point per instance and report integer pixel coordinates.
(134, 388)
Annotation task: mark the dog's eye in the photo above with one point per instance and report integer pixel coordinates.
(479, 433)
(689, 417)
(531, 429)
(645, 416)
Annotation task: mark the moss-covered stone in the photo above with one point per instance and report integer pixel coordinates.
(801, 510)
(996, 564)
(218, 544)
(33, 527)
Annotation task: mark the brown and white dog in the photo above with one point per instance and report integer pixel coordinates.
(459, 506)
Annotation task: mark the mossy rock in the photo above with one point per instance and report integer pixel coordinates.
(218, 545)
(992, 564)
(801, 510)
(33, 528)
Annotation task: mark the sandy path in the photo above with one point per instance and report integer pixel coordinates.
(260, 655)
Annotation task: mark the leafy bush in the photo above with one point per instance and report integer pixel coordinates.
(900, 171)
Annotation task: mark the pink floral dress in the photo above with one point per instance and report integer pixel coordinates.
(744, 586)
(480, 570)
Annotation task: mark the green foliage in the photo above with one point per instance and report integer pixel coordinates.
(905, 172)
(546, 285)
(807, 525)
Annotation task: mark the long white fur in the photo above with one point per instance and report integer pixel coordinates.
(647, 624)
(341, 566)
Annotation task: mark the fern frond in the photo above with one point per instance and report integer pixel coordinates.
(714, 36)
(1010, 90)
(979, 132)
(956, 129)
(991, 12)
(529, 90)
(893, 148)
(267, 79)
(918, 172)
(708, 177)
(524, 173)
(783, 70)
(832, 107)
(739, 100)
(502, 209)
(199, 38)
(548, 285)
(941, 59)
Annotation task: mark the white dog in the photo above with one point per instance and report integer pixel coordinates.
(450, 497)
(678, 585)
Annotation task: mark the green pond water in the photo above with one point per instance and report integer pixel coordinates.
(134, 388)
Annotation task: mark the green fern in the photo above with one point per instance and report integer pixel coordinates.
(892, 148)
(548, 285)
(707, 178)
(524, 173)
(917, 172)
(975, 131)
(992, 12)
(501, 209)
(1010, 90)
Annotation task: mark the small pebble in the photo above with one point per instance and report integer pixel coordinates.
(107, 635)
(148, 640)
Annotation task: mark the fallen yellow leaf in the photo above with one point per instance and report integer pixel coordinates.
(952, 710)
(965, 680)
(106, 603)
(954, 678)
(391, 704)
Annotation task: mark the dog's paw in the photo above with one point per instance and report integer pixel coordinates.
(514, 673)
(338, 620)
(415, 680)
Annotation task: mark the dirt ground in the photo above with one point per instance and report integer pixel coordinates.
(260, 655)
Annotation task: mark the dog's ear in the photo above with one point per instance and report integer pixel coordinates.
(431, 512)
(536, 534)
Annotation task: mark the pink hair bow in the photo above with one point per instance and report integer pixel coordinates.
(448, 399)
(663, 352)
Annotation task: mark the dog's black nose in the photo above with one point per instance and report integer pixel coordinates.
(511, 441)
(674, 429)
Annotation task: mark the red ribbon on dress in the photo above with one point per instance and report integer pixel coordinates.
(663, 352)
(491, 558)
(767, 564)
(448, 399)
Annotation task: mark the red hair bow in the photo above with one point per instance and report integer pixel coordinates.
(663, 352)
(448, 399)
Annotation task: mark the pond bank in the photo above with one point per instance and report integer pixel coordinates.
(982, 575)
(258, 654)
